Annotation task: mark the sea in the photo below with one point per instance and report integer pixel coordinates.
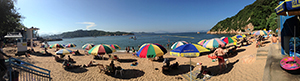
(165, 39)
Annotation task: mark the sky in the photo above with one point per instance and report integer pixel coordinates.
(58, 16)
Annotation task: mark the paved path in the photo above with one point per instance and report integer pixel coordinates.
(273, 71)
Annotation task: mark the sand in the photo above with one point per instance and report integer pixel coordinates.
(241, 67)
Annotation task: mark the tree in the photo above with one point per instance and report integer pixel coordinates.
(9, 17)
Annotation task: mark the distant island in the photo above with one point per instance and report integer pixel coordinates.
(88, 33)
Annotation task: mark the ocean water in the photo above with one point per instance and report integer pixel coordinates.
(124, 41)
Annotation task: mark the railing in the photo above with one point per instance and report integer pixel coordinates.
(23, 71)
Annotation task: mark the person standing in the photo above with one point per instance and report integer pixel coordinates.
(274, 39)
(220, 55)
(3, 67)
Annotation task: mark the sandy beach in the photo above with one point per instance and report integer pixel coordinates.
(241, 67)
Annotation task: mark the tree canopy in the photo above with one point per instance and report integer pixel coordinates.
(9, 17)
(261, 14)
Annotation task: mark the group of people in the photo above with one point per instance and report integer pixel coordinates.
(128, 49)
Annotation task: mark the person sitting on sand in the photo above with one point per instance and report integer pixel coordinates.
(167, 61)
(112, 65)
(219, 53)
(175, 65)
(59, 59)
(70, 59)
(91, 63)
(77, 53)
(68, 65)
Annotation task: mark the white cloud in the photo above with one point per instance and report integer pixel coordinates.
(90, 24)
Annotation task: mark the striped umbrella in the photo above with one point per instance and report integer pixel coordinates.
(70, 45)
(223, 37)
(57, 46)
(178, 43)
(101, 49)
(63, 52)
(189, 51)
(202, 42)
(260, 32)
(115, 46)
(150, 50)
(87, 46)
(228, 40)
(214, 43)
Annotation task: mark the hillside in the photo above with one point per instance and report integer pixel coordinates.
(256, 16)
(88, 33)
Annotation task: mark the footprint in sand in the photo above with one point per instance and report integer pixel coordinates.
(248, 59)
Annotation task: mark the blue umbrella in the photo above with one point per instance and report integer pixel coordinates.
(188, 50)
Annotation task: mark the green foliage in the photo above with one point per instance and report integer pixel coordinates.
(9, 17)
(258, 13)
(89, 33)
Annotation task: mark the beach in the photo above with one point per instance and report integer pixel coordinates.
(241, 67)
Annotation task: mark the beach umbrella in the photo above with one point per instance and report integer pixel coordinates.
(87, 46)
(238, 36)
(70, 45)
(160, 46)
(287, 8)
(223, 37)
(150, 50)
(228, 40)
(115, 46)
(189, 51)
(214, 43)
(260, 32)
(101, 49)
(243, 35)
(202, 42)
(56, 46)
(63, 52)
(178, 43)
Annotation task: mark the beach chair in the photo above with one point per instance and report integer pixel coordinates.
(102, 68)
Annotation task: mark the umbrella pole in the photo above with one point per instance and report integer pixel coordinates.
(190, 69)
(295, 43)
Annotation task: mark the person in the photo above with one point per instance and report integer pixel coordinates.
(175, 65)
(127, 49)
(91, 63)
(46, 52)
(70, 59)
(219, 53)
(133, 50)
(274, 39)
(68, 65)
(59, 59)
(3, 67)
(62, 56)
(167, 61)
(243, 41)
(112, 65)
(77, 53)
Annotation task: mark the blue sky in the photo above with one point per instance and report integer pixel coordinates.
(57, 16)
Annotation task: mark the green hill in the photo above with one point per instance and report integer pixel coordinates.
(259, 15)
(89, 33)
